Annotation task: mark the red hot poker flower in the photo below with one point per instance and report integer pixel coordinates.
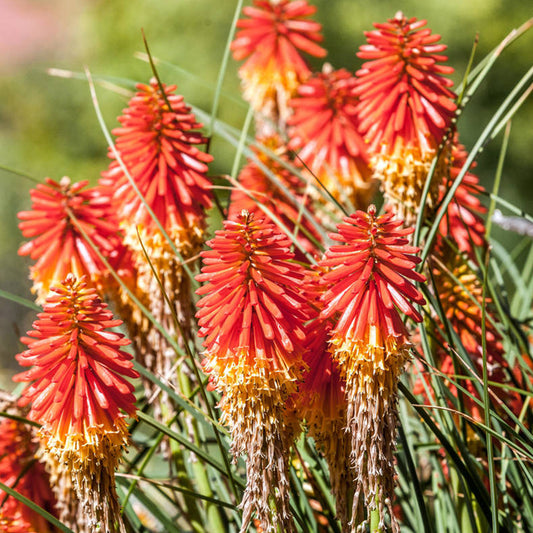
(370, 283)
(159, 145)
(57, 243)
(252, 315)
(406, 105)
(271, 39)
(461, 294)
(80, 393)
(321, 401)
(325, 129)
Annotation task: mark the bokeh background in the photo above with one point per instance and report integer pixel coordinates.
(48, 126)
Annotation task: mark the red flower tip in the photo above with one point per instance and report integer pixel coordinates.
(57, 242)
(259, 187)
(404, 98)
(79, 370)
(371, 280)
(272, 38)
(252, 311)
(158, 146)
(325, 128)
(405, 110)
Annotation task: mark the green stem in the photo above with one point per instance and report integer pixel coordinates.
(375, 518)
(214, 516)
(192, 508)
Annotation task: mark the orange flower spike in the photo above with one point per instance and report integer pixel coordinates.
(20, 470)
(57, 243)
(463, 221)
(271, 40)
(406, 106)
(459, 288)
(159, 147)
(325, 127)
(321, 401)
(370, 283)
(252, 315)
(80, 393)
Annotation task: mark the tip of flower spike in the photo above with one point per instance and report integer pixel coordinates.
(66, 221)
(370, 279)
(405, 102)
(272, 40)
(372, 210)
(158, 143)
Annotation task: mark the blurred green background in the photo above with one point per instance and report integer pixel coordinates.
(48, 126)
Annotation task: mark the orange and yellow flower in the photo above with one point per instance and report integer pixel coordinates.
(370, 282)
(406, 108)
(460, 292)
(270, 40)
(79, 391)
(325, 129)
(258, 187)
(58, 245)
(321, 401)
(252, 314)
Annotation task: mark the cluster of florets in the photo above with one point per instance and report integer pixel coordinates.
(295, 335)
